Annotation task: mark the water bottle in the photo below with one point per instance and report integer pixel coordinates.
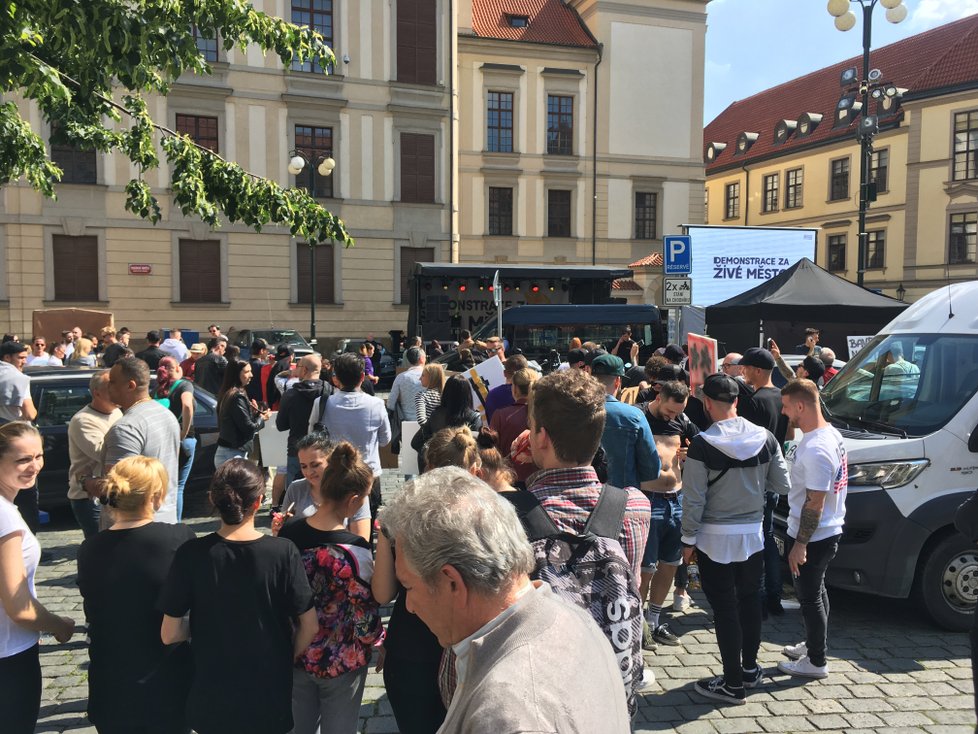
(693, 573)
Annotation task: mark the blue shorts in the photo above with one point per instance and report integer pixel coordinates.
(665, 534)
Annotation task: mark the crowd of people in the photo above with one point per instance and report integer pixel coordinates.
(529, 564)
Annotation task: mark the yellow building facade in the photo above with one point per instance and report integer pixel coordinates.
(404, 115)
(921, 229)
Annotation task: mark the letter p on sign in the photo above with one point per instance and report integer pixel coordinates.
(677, 258)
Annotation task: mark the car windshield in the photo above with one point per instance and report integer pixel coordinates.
(907, 384)
(280, 336)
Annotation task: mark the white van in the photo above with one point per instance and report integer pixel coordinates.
(908, 409)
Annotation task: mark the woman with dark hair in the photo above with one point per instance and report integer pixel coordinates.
(176, 393)
(238, 418)
(303, 497)
(22, 616)
(455, 410)
(120, 574)
(243, 598)
(328, 683)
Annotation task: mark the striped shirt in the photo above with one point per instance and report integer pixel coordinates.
(426, 401)
(569, 496)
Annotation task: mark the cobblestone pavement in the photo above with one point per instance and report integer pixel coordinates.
(891, 671)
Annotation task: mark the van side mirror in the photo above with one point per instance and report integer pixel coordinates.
(973, 441)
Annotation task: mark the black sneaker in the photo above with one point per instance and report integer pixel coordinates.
(774, 607)
(717, 689)
(664, 636)
(752, 678)
(648, 642)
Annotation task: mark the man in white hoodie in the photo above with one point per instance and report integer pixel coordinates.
(728, 468)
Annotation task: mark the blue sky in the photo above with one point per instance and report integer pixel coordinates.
(755, 44)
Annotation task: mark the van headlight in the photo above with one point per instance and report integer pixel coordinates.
(888, 475)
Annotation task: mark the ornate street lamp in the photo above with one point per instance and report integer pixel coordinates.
(871, 84)
(324, 166)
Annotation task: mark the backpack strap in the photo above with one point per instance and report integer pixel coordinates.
(536, 522)
(608, 516)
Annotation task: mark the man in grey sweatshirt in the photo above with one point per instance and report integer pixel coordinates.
(727, 470)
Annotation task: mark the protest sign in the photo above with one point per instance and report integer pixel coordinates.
(702, 359)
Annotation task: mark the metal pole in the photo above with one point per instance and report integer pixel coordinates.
(312, 269)
(865, 145)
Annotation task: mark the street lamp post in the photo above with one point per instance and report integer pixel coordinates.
(324, 166)
(845, 19)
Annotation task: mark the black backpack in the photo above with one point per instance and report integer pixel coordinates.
(319, 426)
(591, 571)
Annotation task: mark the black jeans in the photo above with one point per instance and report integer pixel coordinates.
(20, 692)
(412, 689)
(812, 596)
(771, 588)
(733, 591)
(26, 501)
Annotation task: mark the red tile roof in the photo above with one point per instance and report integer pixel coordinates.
(625, 284)
(654, 260)
(945, 57)
(551, 22)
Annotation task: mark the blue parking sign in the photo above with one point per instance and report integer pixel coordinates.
(677, 254)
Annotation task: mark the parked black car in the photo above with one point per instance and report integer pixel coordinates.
(244, 337)
(60, 392)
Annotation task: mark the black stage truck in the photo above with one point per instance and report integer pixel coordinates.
(447, 298)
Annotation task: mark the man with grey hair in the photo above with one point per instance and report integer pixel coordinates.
(464, 561)
(86, 436)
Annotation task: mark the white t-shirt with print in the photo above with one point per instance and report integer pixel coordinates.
(14, 638)
(820, 465)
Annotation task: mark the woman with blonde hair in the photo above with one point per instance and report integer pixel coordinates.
(22, 616)
(433, 382)
(120, 574)
(82, 356)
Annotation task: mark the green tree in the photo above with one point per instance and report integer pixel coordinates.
(86, 61)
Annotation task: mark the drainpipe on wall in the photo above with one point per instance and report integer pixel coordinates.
(594, 163)
(453, 242)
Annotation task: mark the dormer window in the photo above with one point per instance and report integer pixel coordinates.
(744, 141)
(807, 124)
(783, 130)
(518, 21)
(713, 150)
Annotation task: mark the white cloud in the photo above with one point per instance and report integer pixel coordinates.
(714, 69)
(931, 13)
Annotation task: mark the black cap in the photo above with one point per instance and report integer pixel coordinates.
(8, 348)
(674, 353)
(283, 350)
(757, 357)
(814, 367)
(721, 387)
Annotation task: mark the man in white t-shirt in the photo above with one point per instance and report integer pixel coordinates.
(817, 501)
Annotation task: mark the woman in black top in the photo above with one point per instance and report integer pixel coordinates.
(135, 684)
(238, 418)
(250, 613)
(455, 410)
(177, 393)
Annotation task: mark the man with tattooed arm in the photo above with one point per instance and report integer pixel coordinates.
(817, 501)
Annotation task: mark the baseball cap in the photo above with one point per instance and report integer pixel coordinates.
(674, 353)
(757, 357)
(668, 373)
(198, 348)
(579, 355)
(284, 350)
(607, 364)
(814, 367)
(721, 387)
(8, 348)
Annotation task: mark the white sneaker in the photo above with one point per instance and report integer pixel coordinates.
(795, 652)
(803, 668)
(680, 602)
(648, 679)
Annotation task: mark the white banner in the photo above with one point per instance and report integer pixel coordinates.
(483, 378)
(856, 343)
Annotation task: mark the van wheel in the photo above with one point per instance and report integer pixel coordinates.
(947, 583)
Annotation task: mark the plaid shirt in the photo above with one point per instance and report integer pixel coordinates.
(569, 496)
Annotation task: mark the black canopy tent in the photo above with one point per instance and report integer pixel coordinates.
(801, 296)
